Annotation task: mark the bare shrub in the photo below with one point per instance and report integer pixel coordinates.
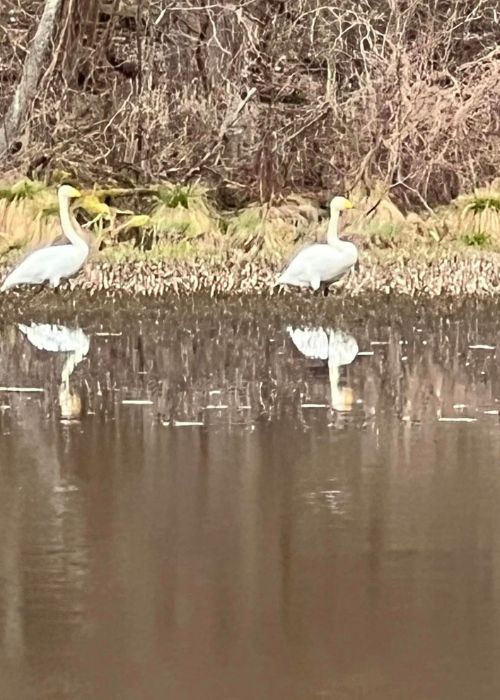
(260, 99)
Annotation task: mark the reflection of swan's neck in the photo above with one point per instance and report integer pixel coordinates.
(334, 374)
(69, 403)
(341, 398)
(72, 360)
(332, 235)
(67, 225)
(68, 368)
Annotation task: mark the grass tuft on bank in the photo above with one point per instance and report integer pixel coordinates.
(183, 222)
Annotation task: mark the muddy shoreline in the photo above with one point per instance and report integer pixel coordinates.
(456, 276)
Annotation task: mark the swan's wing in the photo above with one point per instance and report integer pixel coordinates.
(319, 261)
(46, 264)
(294, 255)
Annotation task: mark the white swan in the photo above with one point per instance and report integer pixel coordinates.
(322, 263)
(52, 263)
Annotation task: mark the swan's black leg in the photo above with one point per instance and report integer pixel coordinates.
(326, 290)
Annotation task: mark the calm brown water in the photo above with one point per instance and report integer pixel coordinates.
(281, 548)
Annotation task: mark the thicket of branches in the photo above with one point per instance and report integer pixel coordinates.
(259, 97)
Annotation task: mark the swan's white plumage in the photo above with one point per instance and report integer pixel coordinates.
(53, 263)
(322, 263)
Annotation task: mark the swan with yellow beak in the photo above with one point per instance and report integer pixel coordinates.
(53, 263)
(322, 263)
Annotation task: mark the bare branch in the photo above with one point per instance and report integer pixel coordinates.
(32, 71)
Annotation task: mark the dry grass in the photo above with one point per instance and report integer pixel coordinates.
(27, 220)
(271, 231)
(170, 222)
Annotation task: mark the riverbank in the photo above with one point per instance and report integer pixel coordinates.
(472, 274)
(171, 239)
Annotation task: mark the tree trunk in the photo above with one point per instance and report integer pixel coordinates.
(32, 71)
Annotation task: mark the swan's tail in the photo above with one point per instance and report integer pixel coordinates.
(280, 280)
(11, 280)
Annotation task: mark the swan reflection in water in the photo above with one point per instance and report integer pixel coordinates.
(335, 346)
(57, 338)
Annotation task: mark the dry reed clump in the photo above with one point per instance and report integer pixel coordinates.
(475, 217)
(270, 231)
(162, 221)
(28, 218)
(472, 219)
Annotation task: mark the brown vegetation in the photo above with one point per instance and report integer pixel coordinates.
(176, 239)
(259, 98)
(476, 275)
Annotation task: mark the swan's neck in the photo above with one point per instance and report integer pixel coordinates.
(67, 225)
(332, 235)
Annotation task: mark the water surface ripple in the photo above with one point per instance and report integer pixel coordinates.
(250, 500)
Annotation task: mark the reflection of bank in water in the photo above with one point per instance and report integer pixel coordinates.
(335, 346)
(56, 338)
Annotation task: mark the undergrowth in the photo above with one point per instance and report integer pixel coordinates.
(172, 221)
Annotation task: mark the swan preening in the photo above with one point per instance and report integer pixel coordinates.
(322, 263)
(53, 263)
